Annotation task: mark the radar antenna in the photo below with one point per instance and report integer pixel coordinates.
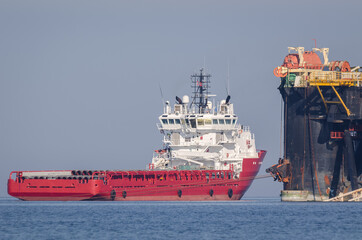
(200, 84)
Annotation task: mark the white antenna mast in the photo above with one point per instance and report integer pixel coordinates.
(162, 99)
(228, 78)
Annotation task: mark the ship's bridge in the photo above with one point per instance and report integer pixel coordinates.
(180, 118)
(202, 133)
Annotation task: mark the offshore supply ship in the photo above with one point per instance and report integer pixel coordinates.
(322, 128)
(206, 155)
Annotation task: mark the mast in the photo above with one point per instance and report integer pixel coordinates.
(201, 84)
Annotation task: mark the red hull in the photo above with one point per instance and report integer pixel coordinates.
(173, 185)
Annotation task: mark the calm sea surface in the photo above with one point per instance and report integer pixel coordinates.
(246, 219)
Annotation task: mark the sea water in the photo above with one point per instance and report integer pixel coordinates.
(245, 219)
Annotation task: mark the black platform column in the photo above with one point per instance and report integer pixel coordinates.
(351, 163)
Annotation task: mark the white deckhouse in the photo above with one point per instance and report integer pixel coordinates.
(201, 134)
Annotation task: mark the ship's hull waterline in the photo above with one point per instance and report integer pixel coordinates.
(206, 155)
(165, 185)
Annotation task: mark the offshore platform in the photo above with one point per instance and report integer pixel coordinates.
(322, 121)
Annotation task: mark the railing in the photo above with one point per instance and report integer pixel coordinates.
(246, 128)
(326, 78)
(15, 175)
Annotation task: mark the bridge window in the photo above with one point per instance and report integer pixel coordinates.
(228, 121)
(177, 121)
(164, 121)
(193, 123)
(214, 121)
(200, 122)
(221, 121)
(171, 121)
(207, 121)
(234, 121)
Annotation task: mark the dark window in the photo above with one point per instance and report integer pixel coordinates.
(193, 123)
(177, 121)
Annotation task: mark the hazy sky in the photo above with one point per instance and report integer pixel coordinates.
(80, 79)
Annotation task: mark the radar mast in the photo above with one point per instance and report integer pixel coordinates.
(200, 84)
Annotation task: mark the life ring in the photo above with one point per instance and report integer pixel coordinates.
(113, 195)
(211, 192)
(278, 72)
(124, 194)
(230, 193)
(179, 193)
(275, 71)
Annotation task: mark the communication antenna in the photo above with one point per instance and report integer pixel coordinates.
(162, 99)
(228, 79)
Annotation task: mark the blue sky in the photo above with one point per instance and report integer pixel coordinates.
(79, 80)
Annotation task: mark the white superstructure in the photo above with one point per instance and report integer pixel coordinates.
(202, 134)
